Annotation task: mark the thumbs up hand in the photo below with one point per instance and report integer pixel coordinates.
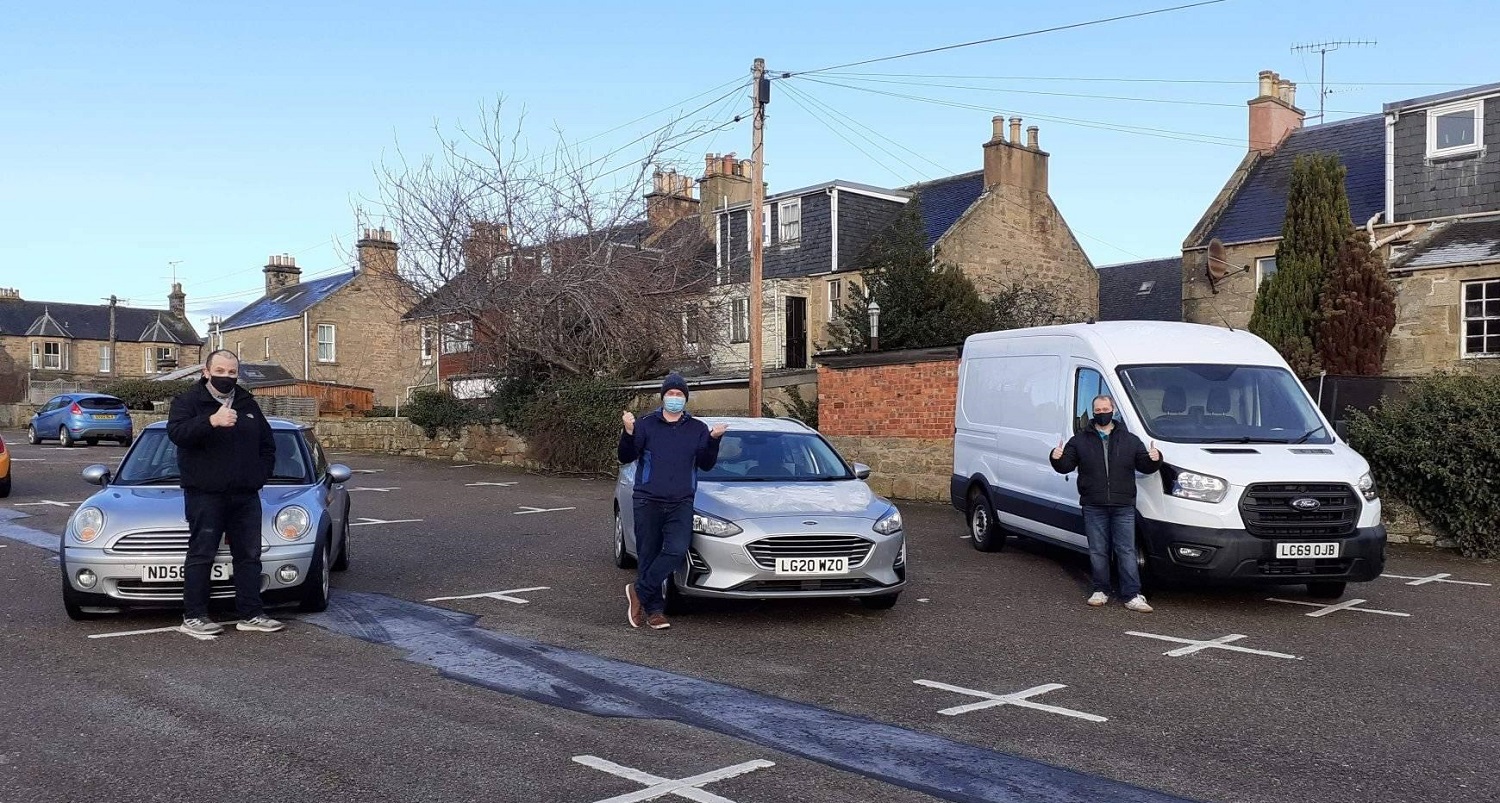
(628, 419)
(1058, 452)
(1154, 453)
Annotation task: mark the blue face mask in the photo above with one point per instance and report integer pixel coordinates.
(674, 404)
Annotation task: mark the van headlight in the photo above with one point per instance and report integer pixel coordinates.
(1199, 487)
(890, 523)
(293, 522)
(713, 526)
(1367, 487)
(88, 523)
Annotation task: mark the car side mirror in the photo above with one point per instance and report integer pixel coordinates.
(861, 471)
(96, 475)
(339, 473)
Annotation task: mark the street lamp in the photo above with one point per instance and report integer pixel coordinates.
(874, 309)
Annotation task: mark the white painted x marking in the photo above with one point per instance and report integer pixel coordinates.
(377, 490)
(503, 596)
(47, 502)
(525, 510)
(1346, 605)
(1441, 577)
(1198, 645)
(365, 522)
(661, 787)
(1020, 698)
(492, 484)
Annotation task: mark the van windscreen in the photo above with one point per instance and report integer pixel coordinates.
(1223, 404)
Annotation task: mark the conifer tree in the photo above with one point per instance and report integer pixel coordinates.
(1357, 311)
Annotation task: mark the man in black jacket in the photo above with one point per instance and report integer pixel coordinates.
(225, 454)
(1106, 457)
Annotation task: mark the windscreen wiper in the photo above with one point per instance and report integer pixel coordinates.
(1311, 433)
(159, 480)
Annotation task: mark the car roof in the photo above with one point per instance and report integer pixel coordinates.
(277, 425)
(746, 423)
(78, 396)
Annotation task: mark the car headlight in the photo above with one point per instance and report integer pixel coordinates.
(890, 523)
(713, 526)
(1200, 487)
(1367, 487)
(88, 523)
(293, 523)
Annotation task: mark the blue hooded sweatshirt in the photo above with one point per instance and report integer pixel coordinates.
(668, 456)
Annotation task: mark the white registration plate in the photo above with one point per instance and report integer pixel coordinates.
(176, 573)
(104, 416)
(795, 566)
(1306, 550)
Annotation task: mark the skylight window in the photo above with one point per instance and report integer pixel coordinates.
(1145, 288)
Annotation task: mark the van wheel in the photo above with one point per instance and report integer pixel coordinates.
(1326, 589)
(984, 530)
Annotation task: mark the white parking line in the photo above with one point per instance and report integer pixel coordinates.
(1346, 605)
(1220, 643)
(503, 596)
(1020, 698)
(465, 465)
(47, 502)
(365, 522)
(378, 490)
(525, 510)
(488, 484)
(689, 788)
(366, 470)
(173, 629)
(1441, 577)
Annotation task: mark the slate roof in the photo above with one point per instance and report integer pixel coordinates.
(1258, 208)
(1141, 291)
(1464, 242)
(252, 374)
(288, 302)
(91, 322)
(945, 200)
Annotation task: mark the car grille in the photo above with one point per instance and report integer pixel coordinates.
(783, 586)
(1268, 512)
(1304, 568)
(169, 592)
(767, 550)
(156, 543)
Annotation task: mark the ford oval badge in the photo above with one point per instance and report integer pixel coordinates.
(810, 523)
(1306, 503)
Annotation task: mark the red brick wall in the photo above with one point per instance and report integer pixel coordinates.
(913, 400)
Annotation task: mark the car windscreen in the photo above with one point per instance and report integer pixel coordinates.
(750, 456)
(1223, 404)
(153, 461)
(101, 403)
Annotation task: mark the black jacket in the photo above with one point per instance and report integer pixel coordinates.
(1106, 479)
(218, 459)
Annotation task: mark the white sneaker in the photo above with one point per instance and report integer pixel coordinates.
(1098, 600)
(1138, 604)
(259, 624)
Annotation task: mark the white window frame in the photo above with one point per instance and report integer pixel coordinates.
(781, 220)
(154, 358)
(692, 334)
(424, 338)
(1475, 107)
(268, 348)
(106, 360)
(332, 343)
(1260, 269)
(765, 224)
(749, 221)
(458, 337)
(739, 320)
(1465, 318)
(39, 356)
(835, 300)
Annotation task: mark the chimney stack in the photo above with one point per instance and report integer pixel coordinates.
(726, 182)
(671, 199)
(281, 272)
(377, 252)
(177, 301)
(1015, 166)
(1273, 113)
(486, 243)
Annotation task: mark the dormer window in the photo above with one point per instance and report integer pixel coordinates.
(1453, 130)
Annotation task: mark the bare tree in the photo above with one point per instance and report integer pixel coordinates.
(552, 259)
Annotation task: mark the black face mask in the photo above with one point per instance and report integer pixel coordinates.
(1103, 419)
(223, 384)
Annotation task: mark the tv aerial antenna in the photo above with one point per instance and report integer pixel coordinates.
(1323, 49)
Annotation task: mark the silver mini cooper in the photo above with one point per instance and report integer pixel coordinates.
(781, 516)
(125, 546)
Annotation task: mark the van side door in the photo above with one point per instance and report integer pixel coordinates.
(1086, 382)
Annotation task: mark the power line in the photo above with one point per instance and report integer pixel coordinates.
(1239, 82)
(793, 95)
(1007, 37)
(849, 118)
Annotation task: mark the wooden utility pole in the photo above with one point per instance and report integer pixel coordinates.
(760, 89)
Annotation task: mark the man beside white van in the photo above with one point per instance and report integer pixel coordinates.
(1107, 456)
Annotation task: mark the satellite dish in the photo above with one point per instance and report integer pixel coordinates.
(1219, 268)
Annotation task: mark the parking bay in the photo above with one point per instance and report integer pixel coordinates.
(1347, 722)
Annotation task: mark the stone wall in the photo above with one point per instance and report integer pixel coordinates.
(1429, 322)
(494, 444)
(902, 468)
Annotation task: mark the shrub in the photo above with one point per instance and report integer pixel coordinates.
(795, 406)
(1436, 447)
(379, 411)
(138, 394)
(574, 424)
(435, 410)
(512, 397)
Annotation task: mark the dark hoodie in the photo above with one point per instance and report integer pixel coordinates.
(1106, 466)
(668, 454)
(221, 459)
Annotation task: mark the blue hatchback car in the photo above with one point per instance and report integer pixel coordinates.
(86, 417)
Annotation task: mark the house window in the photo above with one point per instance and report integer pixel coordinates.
(1265, 268)
(719, 254)
(739, 320)
(1482, 318)
(426, 338)
(106, 360)
(327, 343)
(500, 268)
(765, 223)
(691, 331)
(547, 263)
(158, 359)
(835, 298)
(268, 348)
(48, 356)
(458, 336)
(1145, 288)
(1454, 129)
(789, 214)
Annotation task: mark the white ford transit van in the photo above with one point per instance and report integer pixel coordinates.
(1255, 486)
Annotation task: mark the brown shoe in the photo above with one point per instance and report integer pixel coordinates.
(634, 613)
(658, 621)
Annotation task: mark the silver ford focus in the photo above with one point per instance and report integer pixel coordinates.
(125, 546)
(781, 515)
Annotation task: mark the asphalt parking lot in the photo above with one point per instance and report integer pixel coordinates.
(538, 690)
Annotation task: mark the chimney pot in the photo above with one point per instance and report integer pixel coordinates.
(1015, 129)
(997, 124)
(1267, 84)
(1031, 138)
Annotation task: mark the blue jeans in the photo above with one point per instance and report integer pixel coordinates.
(663, 533)
(1112, 530)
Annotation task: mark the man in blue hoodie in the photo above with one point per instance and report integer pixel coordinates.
(669, 448)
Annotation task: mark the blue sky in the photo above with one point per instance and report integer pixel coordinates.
(217, 134)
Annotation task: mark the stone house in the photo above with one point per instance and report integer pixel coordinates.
(85, 345)
(344, 329)
(1423, 182)
(1149, 290)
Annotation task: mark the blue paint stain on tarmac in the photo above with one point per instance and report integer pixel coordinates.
(590, 684)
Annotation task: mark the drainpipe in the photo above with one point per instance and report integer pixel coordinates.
(1390, 166)
(1388, 239)
(306, 356)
